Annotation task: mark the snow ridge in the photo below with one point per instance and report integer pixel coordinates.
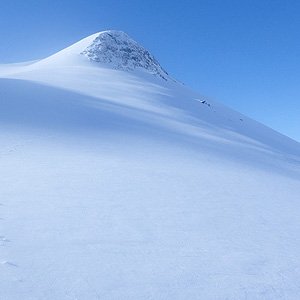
(122, 52)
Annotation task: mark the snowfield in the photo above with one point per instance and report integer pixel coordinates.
(119, 182)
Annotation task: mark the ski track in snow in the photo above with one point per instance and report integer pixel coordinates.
(121, 185)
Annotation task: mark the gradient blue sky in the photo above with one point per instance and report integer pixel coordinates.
(244, 54)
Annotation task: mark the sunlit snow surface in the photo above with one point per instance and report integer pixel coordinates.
(118, 184)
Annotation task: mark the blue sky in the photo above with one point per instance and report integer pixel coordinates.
(244, 54)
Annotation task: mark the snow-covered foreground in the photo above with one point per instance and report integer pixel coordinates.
(118, 184)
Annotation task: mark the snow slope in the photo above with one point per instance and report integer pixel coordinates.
(119, 182)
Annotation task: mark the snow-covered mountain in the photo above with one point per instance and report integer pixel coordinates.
(119, 182)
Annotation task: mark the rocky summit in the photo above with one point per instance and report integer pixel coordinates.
(119, 50)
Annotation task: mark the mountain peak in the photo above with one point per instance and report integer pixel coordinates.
(120, 51)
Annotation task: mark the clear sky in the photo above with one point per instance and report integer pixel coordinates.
(244, 53)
